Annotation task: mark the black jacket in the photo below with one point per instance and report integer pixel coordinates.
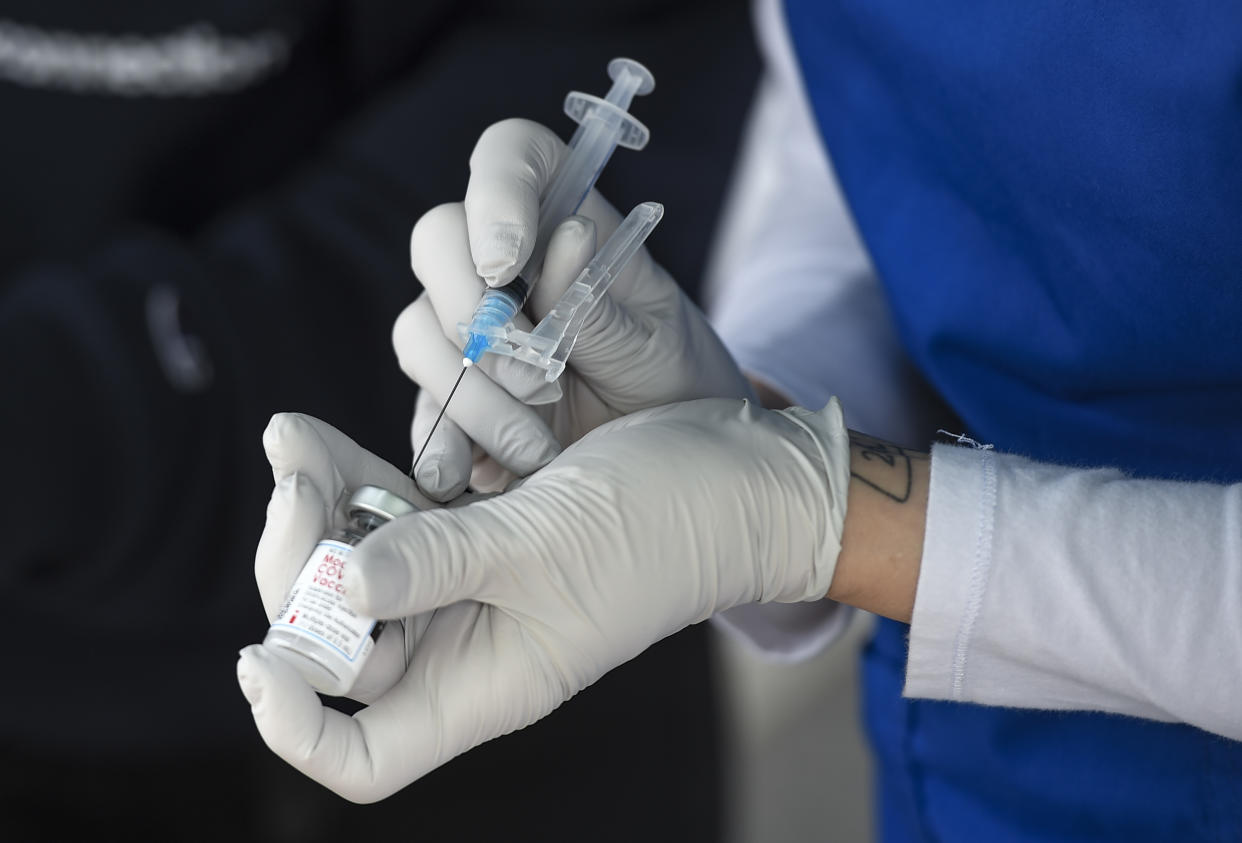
(205, 221)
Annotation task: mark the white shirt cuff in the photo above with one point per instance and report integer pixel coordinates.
(957, 557)
(786, 632)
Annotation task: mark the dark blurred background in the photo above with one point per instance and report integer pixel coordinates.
(205, 221)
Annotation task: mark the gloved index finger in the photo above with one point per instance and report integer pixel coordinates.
(501, 424)
(443, 468)
(295, 442)
(511, 166)
(297, 518)
(441, 260)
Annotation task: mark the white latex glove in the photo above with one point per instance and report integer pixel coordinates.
(648, 524)
(645, 344)
(315, 467)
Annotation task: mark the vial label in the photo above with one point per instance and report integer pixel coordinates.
(316, 605)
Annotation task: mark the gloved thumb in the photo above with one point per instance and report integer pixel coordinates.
(429, 560)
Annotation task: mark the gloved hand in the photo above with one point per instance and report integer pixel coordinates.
(647, 524)
(645, 344)
(315, 467)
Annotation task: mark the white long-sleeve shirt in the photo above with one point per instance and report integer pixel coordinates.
(1041, 586)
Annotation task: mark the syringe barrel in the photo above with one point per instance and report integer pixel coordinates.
(498, 306)
(573, 181)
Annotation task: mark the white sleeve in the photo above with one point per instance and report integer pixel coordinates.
(1059, 588)
(793, 295)
(790, 287)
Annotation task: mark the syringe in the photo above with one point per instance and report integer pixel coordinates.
(603, 124)
(548, 346)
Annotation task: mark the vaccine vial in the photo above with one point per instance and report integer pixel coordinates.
(315, 630)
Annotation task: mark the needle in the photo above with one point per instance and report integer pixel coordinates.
(436, 423)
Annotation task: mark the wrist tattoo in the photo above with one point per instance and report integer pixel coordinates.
(883, 466)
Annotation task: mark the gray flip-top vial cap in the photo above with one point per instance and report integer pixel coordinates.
(379, 502)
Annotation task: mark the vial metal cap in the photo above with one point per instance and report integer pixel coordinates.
(380, 502)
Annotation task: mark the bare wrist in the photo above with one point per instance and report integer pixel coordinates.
(886, 515)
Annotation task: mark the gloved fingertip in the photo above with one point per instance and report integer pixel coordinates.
(251, 671)
(280, 427)
(498, 277)
(271, 440)
(570, 249)
(436, 483)
(576, 229)
(428, 476)
(497, 250)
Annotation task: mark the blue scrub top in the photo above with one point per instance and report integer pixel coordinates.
(1052, 197)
